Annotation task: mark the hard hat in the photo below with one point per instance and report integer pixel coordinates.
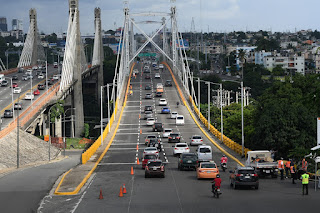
(217, 176)
(223, 155)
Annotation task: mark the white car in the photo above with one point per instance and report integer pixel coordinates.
(150, 121)
(157, 75)
(196, 140)
(55, 77)
(159, 86)
(17, 90)
(180, 148)
(151, 150)
(166, 132)
(173, 115)
(40, 76)
(161, 66)
(179, 120)
(29, 96)
(163, 102)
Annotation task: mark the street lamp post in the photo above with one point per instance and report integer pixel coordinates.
(208, 105)
(108, 105)
(50, 129)
(101, 115)
(47, 76)
(18, 144)
(31, 77)
(199, 97)
(221, 112)
(12, 97)
(64, 130)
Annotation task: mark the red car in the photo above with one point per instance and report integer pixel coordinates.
(14, 85)
(146, 158)
(36, 92)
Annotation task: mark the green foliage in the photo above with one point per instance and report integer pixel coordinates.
(56, 111)
(278, 71)
(267, 45)
(86, 130)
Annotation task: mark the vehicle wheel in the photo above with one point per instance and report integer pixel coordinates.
(217, 194)
(231, 183)
(146, 176)
(163, 176)
(256, 187)
(234, 186)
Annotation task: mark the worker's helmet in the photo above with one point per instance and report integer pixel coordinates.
(281, 158)
(217, 176)
(223, 155)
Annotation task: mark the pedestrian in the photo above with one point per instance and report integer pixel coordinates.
(281, 168)
(293, 174)
(304, 165)
(288, 168)
(305, 182)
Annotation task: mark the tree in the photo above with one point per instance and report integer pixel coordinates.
(56, 111)
(267, 45)
(278, 71)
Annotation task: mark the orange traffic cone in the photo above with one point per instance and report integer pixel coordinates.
(137, 147)
(132, 173)
(140, 131)
(138, 163)
(124, 189)
(121, 193)
(100, 196)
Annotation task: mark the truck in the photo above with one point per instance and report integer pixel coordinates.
(1, 78)
(262, 163)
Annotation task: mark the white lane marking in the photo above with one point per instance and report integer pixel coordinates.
(131, 193)
(106, 164)
(74, 209)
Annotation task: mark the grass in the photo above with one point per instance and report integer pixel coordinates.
(73, 143)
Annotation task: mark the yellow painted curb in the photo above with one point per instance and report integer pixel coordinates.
(78, 188)
(203, 131)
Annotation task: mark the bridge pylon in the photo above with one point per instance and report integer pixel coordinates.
(33, 51)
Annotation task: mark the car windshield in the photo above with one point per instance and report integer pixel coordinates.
(174, 134)
(191, 157)
(180, 118)
(151, 136)
(208, 165)
(174, 113)
(196, 137)
(181, 145)
(205, 150)
(154, 164)
(167, 130)
(150, 149)
(150, 157)
(246, 172)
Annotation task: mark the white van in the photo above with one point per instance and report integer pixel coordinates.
(179, 120)
(204, 153)
(1, 77)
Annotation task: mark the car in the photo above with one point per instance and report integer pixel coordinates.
(166, 132)
(38, 72)
(15, 77)
(55, 77)
(8, 113)
(148, 87)
(168, 83)
(14, 85)
(147, 76)
(148, 108)
(50, 81)
(20, 70)
(154, 143)
(180, 148)
(157, 127)
(148, 114)
(17, 106)
(207, 170)
(25, 77)
(4, 83)
(162, 102)
(146, 158)
(55, 64)
(136, 71)
(173, 115)
(146, 70)
(196, 140)
(150, 121)
(151, 150)
(154, 168)
(156, 67)
(40, 67)
(165, 110)
(187, 160)
(180, 120)
(204, 153)
(41, 86)
(28, 72)
(35, 68)
(161, 66)
(41, 76)
(36, 92)
(148, 96)
(174, 137)
(159, 86)
(157, 75)
(29, 96)
(17, 90)
(148, 138)
(159, 94)
(244, 176)
(154, 64)
(30, 76)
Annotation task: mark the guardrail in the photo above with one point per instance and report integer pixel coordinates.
(42, 100)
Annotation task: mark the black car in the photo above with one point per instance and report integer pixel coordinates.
(50, 81)
(159, 94)
(147, 108)
(154, 142)
(244, 176)
(20, 70)
(157, 127)
(14, 77)
(148, 96)
(188, 160)
(168, 83)
(154, 168)
(8, 113)
(17, 106)
(4, 83)
(148, 87)
(41, 86)
(174, 138)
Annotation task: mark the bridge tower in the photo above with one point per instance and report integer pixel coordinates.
(97, 58)
(33, 51)
(74, 63)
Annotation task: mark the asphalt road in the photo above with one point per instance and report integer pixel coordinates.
(23, 190)
(179, 191)
(5, 92)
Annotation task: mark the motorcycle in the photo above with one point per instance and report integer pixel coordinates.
(216, 192)
(224, 166)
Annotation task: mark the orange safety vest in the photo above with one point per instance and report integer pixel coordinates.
(280, 164)
(292, 169)
(304, 164)
(288, 164)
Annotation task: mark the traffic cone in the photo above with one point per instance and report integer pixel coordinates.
(137, 147)
(100, 196)
(138, 163)
(132, 173)
(140, 131)
(124, 189)
(121, 193)
(139, 114)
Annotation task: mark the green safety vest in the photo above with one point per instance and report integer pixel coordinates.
(305, 178)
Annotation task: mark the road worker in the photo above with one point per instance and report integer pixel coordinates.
(304, 165)
(305, 182)
(288, 167)
(293, 174)
(281, 168)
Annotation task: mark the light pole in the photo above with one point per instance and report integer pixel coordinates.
(12, 97)
(31, 77)
(47, 76)
(50, 129)
(101, 115)
(199, 97)
(208, 104)
(18, 145)
(64, 130)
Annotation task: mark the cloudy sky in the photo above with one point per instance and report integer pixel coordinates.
(215, 15)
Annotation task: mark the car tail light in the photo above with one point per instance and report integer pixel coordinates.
(162, 168)
(187, 148)
(178, 137)
(201, 171)
(180, 161)
(192, 140)
(170, 137)
(254, 175)
(175, 148)
(239, 175)
(147, 168)
(201, 140)
(157, 152)
(197, 161)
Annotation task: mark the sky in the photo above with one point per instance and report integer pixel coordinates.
(209, 15)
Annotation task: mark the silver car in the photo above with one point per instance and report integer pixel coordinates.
(196, 140)
(166, 132)
(151, 150)
(148, 114)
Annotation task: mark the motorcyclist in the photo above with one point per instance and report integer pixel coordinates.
(216, 183)
(223, 159)
(178, 103)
